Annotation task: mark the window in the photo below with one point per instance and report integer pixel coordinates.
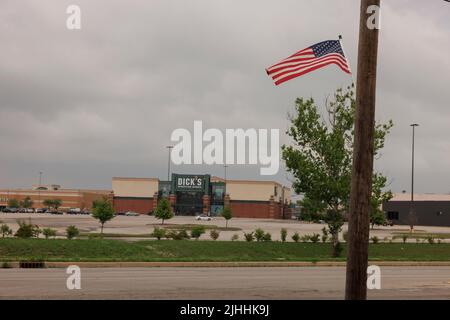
(393, 215)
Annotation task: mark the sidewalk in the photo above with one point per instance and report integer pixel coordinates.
(261, 264)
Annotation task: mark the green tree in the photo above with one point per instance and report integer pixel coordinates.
(103, 211)
(72, 232)
(163, 210)
(227, 215)
(26, 203)
(57, 203)
(48, 232)
(52, 203)
(5, 230)
(377, 216)
(13, 203)
(321, 157)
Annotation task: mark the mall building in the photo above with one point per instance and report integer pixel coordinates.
(70, 198)
(194, 194)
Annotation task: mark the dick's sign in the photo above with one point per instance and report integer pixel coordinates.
(189, 182)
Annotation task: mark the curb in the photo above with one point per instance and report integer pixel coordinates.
(260, 264)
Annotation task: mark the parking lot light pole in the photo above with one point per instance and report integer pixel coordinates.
(168, 164)
(39, 188)
(225, 166)
(411, 209)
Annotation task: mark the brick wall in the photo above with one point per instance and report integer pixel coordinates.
(139, 205)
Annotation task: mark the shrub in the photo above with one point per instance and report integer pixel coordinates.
(72, 232)
(6, 265)
(305, 238)
(249, 236)
(5, 230)
(296, 237)
(235, 237)
(315, 238)
(430, 240)
(374, 239)
(337, 250)
(27, 230)
(180, 235)
(404, 238)
(197, 231)
(48, 232)
(283, 234)
(259, 234)
(324, 235)
(159, 233)
(267, 237)
(214, 234)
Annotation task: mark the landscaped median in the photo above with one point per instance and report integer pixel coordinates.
(97, 250)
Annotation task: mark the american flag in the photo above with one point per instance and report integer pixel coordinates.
(309, 59)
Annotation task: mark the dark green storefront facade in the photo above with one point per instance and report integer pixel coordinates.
(193, 194)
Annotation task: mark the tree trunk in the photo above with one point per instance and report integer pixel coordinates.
(102, 230)
(362, 169)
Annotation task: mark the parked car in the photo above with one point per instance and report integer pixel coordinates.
(203, 217)
(132, 214)
(41, 210)
(74, 211)
(120, 213)
(10, 210)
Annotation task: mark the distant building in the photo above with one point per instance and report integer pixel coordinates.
(429, 209)
(71, 198)
(194, 194)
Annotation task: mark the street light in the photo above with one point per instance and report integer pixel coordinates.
(225, 166)
(168, 166)
(39, 188)
(411, 210)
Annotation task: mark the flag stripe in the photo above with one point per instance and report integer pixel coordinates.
(293, 66)
(312, 58)
(300, 66)
(295, 75)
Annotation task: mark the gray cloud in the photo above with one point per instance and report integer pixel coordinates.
(84, 106)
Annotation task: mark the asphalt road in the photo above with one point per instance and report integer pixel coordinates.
(220, 283)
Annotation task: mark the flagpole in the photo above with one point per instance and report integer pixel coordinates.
(346, 58)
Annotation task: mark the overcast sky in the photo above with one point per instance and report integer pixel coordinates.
(84, 106)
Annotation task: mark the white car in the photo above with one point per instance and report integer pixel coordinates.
(203, 217)
(131, 214)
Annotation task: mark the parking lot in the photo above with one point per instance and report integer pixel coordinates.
(135, 225)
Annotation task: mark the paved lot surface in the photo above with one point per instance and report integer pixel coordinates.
(220, 283)
(145, 225)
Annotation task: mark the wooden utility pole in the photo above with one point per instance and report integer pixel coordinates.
(361, 186)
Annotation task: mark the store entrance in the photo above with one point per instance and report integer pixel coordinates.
(189, 203)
